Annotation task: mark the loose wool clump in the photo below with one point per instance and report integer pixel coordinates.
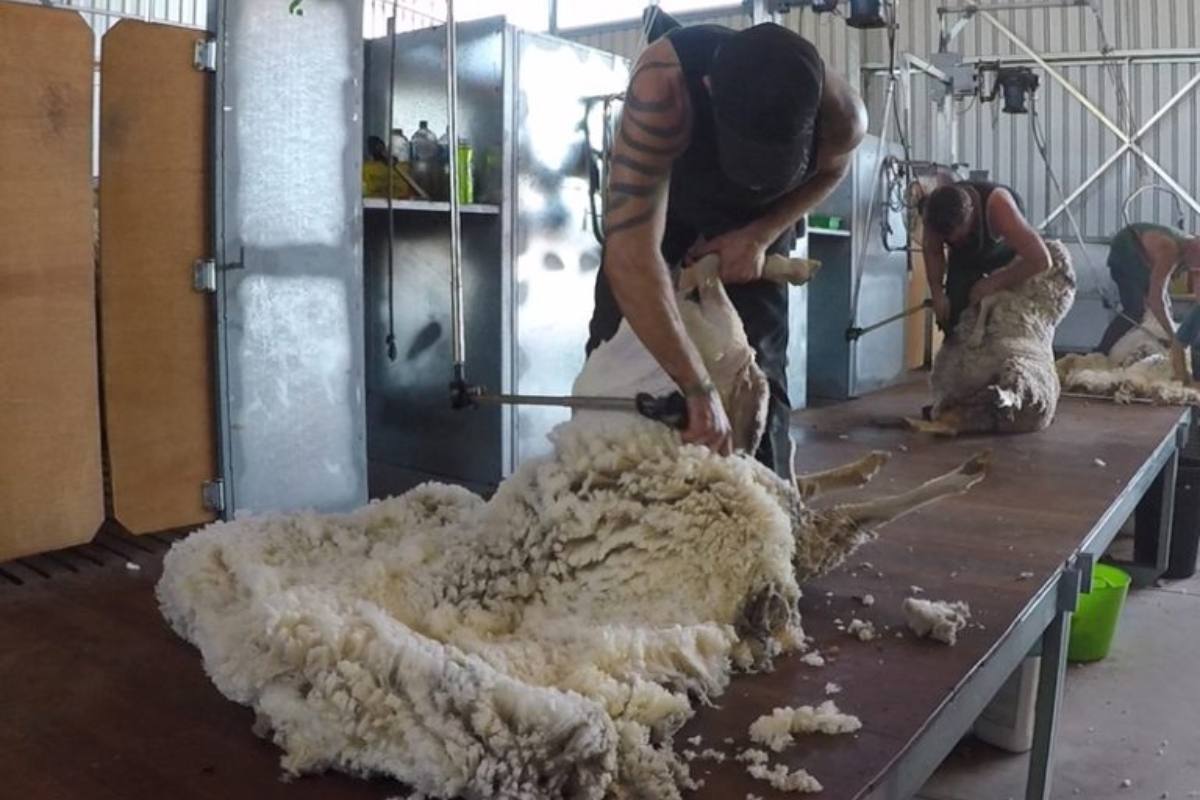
(781, 778)
(776, 729)
(936, 619)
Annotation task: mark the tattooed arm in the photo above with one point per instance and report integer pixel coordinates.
(654, 131)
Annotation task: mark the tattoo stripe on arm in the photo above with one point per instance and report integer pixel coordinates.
(663, 131)
(645, 148)
(634, 189)
(649, 170)
(633, 222)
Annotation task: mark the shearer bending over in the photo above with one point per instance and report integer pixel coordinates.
(727, 140)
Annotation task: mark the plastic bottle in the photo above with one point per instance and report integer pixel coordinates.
(401, 148)
(444, 164)
(425, 164)
(466, 168)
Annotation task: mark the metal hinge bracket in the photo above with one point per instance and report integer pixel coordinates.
(1076, 580)
(204, 55)
(204, 275)
(212, 495)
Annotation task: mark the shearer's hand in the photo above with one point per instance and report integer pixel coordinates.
(742, 255)
(707, 423)
(982, 288)
(941, 309)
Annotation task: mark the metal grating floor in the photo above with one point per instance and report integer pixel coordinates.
(112, 548)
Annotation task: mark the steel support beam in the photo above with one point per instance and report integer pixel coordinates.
(974, 8)
(1120, 151)
(1087, 103)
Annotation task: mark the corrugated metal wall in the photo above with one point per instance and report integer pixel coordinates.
(188, 13)
(828, 33)
(1077, 143)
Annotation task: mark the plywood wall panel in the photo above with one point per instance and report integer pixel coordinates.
(51, 493)
(156, 331)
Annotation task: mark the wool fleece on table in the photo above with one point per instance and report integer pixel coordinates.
(547, 642)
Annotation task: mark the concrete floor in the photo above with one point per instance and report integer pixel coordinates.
(1135, 716)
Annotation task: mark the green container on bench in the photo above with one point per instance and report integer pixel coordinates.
(1095, 621)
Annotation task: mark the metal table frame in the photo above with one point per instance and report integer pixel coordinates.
(1043, 626)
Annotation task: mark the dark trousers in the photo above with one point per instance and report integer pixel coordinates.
(763, 309)
(1132, 278)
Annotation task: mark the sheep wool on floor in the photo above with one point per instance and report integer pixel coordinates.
(541, 644)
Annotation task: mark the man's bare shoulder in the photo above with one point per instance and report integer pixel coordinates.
(658, 67)
(843, 117)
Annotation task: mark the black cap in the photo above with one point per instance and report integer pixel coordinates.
(766, 84)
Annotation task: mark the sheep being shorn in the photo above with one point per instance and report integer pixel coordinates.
(547, 642)
(1138, 367)
(996, 374)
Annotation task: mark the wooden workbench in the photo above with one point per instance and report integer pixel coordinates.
(99, 700)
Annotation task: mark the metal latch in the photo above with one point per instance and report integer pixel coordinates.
(1076, 580)
(204, 275)
(204, 55)
(212, 495)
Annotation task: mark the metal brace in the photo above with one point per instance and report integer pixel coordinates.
(1076, 580)
(204, 55)
(212, 495)
(204, 275)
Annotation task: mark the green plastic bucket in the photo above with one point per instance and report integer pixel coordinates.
(1095, 621)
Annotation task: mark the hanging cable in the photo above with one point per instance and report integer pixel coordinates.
(390, 339)
(901, 134)
(1040, 143)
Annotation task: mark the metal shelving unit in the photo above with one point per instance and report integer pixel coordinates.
(381, 204)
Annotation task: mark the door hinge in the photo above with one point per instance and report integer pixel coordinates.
(212, 495)
(204, 55)
(204, 275)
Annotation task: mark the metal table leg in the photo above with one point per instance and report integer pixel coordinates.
(1051, 677)
(1144, 574)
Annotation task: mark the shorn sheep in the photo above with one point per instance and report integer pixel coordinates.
(1138, 367)
(547, 642)
(996, 373)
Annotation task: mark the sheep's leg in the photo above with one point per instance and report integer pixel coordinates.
(796, 271)
(706, 270)
(777, 268)
(947, 423)
(981, 321)
(957, 481)
(847, 476)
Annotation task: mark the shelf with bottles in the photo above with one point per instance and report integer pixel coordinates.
(836, 232)
(408, 204)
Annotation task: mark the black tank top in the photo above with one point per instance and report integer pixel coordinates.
(700, 192)
(982, 241)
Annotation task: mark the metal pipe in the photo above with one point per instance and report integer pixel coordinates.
(972, 8)
(458, 326)
(1086, 102)
(1080, 58)
(390, 339)
(857, 333)
(1120, 151)
(566, 401)
(922, 65)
